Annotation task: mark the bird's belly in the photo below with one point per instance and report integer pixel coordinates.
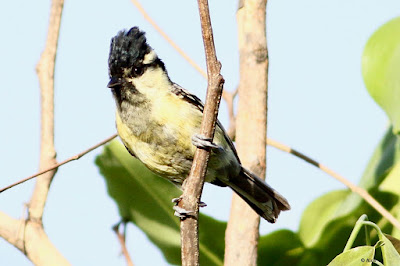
(161, 148)
(165, 147)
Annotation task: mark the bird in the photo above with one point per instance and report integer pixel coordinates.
(158, 121)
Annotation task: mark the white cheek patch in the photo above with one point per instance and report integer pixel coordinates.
(150, 57)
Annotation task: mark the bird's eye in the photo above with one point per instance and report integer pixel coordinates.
(137, 71)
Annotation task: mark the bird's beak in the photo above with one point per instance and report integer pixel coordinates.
(114, 82)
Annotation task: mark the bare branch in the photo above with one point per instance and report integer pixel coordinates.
(241, 237)
(12, 230)
(45, 71)
(121, 239)
(356, 189)
(73, 158)
(194, 183)
(229, 98)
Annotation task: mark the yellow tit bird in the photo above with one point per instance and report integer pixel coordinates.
(159, 123)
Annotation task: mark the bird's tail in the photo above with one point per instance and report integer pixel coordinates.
(262, 198)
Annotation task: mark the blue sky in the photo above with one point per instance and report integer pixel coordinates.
(317, 103)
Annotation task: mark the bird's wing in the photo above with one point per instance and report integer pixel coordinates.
(195, 101)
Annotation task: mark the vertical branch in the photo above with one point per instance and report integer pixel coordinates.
(45, 71)
(251, 125)
(194, 183)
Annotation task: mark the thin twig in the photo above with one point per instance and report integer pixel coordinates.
(168, 39)
(73, 158)
(356, 189)
(121, 239)
(172, 43)
(193, 185)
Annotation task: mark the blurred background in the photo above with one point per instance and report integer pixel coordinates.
(317, 104)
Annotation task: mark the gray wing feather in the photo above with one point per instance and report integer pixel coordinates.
(195, 101)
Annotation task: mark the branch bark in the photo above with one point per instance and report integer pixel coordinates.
(242, 234)
(193, 185)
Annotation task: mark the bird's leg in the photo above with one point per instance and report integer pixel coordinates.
(181, 212)
(202, 142)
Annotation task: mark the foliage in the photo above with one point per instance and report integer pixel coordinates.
(145, 199)
(366, 254)
(380, 68)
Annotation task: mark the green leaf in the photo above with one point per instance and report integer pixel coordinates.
(395, 242)
(391, 183)
(389, 253)
(386, 154)
(282, 247)
(145, 199)
(381, 68)
(363, 255)
(318, 214)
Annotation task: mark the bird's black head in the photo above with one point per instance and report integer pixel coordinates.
(130, 54)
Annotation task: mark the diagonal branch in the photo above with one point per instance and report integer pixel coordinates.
(73, 158)
(194, 183)
(122, 241)
(226, 95)
(167, 38)
(353, 187)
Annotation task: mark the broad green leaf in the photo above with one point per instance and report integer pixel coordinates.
(386, 154)
(395, 242)
(391, 183)
(318, 214)
(363, 255)
(282, 247)
(381, 68)
(145, 199)
(389, 253)
(322, 224)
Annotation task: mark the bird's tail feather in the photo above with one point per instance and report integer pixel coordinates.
(262, 198)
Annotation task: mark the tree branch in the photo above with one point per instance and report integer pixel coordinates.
(45, 71)
(122, 242)
(241, 237)
(193, 185)
(12, 230)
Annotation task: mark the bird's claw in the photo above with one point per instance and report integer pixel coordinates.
(181, 212)
(202, 142)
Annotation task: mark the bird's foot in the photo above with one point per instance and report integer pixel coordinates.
(181, 212)
(202, 142)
